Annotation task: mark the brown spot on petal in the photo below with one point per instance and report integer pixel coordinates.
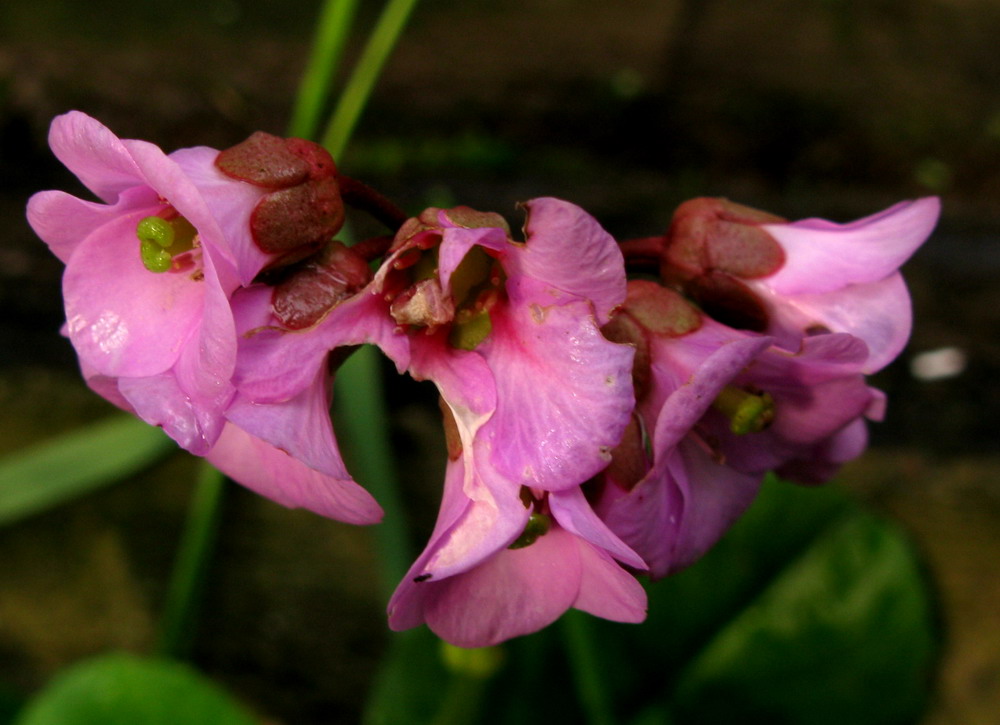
(451, 435)
(263, 160)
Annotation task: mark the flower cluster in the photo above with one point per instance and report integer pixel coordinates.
(610, 408)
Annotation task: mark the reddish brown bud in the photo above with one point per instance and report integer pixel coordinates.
(718, 235)
(307, 214)
(660, 310)
(318, 286)
(264, 160)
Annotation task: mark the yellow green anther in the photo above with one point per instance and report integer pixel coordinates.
(747, 412)
(538, 525)
(157, 230)
(154, 257)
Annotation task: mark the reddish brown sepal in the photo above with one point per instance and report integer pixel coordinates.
(629, 463)
(314, 289)
(264, 160)
(729, 301)
(307, 214)
(321, 164)
(624, 330)
(660, 310)
(718, 235)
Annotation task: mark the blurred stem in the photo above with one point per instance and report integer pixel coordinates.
(362, 424)
(359, 87)
(583, 659)
(332, 29)
(177, 624)
(461, 700)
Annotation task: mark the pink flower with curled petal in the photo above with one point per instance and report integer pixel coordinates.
(789, 280)
(149, 278)
(565, 557)
(508, 331)
(165, 338)
(718, 408)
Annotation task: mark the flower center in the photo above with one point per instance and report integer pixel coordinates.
(164, 242)
(421, 302)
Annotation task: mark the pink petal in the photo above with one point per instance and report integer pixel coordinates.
(573, 512)
(173, 184)
(97, 157)
(232, 203)
(205, 367)
(276, 475)
(607, 590)
(714, 497)
(159, 400)
(564, 394)
(122, 318)
(63, 221)
(568, 250)
(516, 592)
(300, 426)
(822, 256)
(275, 365)
(878, 313)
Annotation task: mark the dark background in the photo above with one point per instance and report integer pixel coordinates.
(832, 108)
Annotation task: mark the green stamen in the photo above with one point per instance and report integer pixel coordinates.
(538, 525)
(160, 240)
(155, 258)
(747, 412)
(155, 229)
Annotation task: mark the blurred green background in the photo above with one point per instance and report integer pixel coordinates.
(832, 108)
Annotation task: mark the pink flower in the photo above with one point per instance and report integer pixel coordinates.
(790, 280)
(719, 408)
(164, 341)
(151, 275)
(564, 558)
(509, 333)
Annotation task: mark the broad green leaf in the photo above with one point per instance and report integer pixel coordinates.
(843, 635)
(122, 689)
(71, 465)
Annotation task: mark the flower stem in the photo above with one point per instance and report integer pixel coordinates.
(333, 27)
(359, 87)
(177, 624)
(584, 662)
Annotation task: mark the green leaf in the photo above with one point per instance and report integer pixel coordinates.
(71, 465)
(122, 689)
(844, 634)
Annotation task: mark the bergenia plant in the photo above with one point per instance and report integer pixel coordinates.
(610, 409)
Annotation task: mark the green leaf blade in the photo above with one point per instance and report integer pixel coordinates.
(122, 689)
(77, 463)
(844, 634)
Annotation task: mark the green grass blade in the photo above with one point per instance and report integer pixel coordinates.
(60, 470)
